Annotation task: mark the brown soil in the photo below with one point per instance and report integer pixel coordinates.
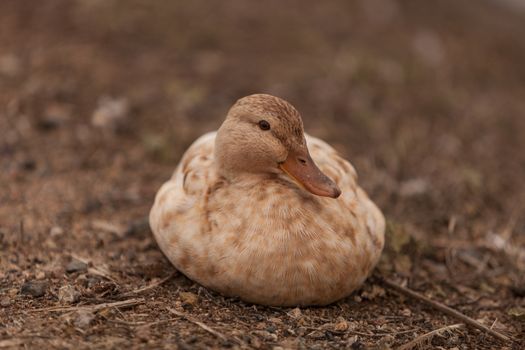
(425, 98)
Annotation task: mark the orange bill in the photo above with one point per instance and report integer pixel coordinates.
(301, 168)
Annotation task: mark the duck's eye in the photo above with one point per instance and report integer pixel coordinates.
(264, 125)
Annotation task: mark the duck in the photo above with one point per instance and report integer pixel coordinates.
(261, 211)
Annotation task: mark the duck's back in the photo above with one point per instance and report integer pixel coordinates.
(265, 239)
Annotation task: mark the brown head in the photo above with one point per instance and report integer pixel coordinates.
(264, 134)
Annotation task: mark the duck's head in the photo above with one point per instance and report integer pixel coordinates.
(264, 134)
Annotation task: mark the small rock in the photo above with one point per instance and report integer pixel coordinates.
(341, 326)
(189, 298)
(517, 312)
(56, 231)
(358, 345)
(76, 266)
(40, 275)
(406, 312)
(68, 295)
(83, 319)
(110, 113)
(5, 302)
(34, 288)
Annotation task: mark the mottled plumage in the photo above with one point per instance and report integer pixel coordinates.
(253, 231)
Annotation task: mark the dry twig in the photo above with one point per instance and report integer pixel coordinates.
(11, 343)
(141, 323)
(122, 231)
(95, 270)
(109, 227)
(428, 336)
(93, 308)
(200, 324)
(151, 286)
(443, 308)
(364, 334)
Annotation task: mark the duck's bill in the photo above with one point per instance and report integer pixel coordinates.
(301, 168)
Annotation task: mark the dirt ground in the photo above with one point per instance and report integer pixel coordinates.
(98, 100)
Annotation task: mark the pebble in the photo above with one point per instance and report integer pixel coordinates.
(517, 312)
(76, 266)
(189, 298)
(341, 326)
(56, 231)
(111, 113)
(83, 318)
(34, 288)
(406, 312)
(68, 295)
(5, 302)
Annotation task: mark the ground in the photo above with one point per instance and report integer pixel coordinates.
(98, 100)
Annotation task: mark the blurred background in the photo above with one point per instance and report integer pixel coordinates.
(99, 99)
(426, 100)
